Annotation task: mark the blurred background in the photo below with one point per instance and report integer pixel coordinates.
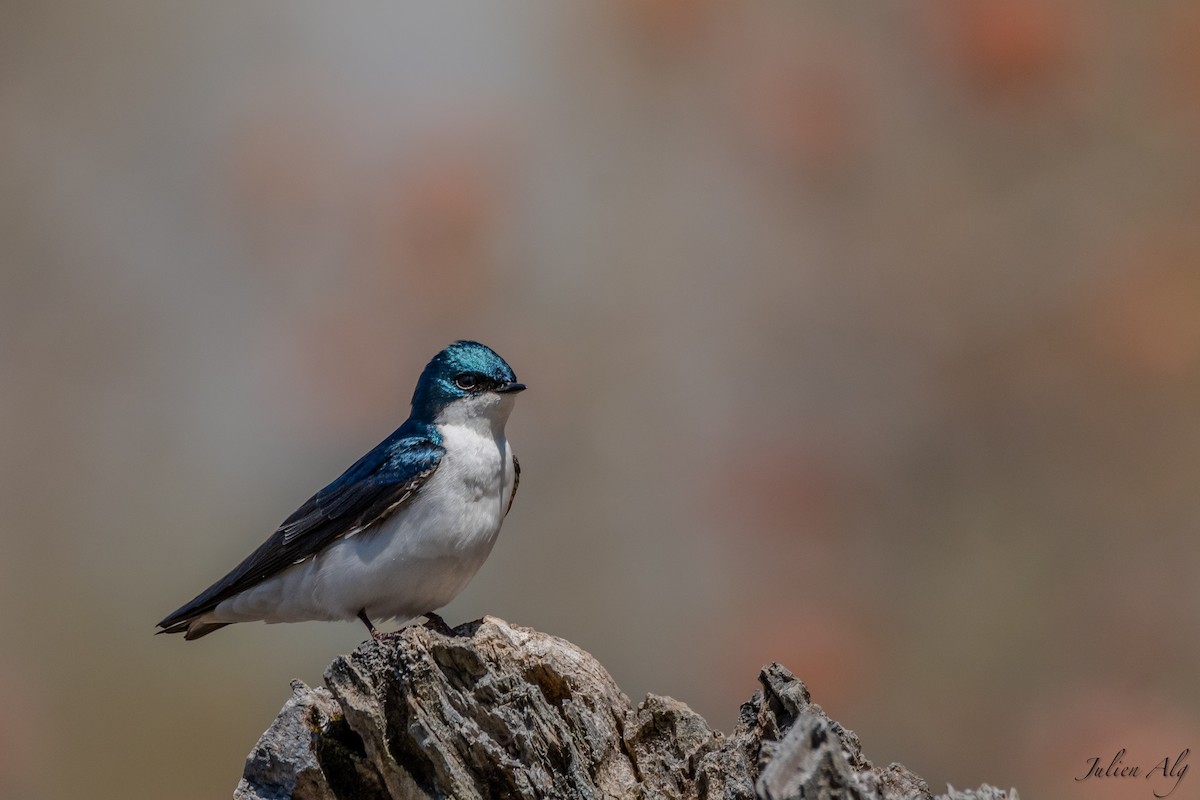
(860, 337)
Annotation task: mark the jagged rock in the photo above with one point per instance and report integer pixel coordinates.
(503, 711)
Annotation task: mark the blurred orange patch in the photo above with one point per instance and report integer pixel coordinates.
(1006, 49)
(832, 651)
(807, 111)
(666, 24)
(1148, 319)
(774, 491)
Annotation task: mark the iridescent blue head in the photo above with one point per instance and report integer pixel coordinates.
(469, 372)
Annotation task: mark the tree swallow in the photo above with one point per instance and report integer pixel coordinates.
(403, 530)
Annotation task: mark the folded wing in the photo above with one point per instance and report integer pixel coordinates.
(377, 485)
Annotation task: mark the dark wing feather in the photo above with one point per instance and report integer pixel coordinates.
(378, 484)
(516, 483)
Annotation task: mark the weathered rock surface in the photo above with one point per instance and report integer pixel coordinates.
(504, 711)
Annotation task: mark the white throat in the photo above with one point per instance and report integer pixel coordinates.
(483, 414)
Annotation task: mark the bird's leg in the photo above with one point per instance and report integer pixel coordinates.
(434, 622)
(362, 614)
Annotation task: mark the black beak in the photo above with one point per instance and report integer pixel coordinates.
(511, 386)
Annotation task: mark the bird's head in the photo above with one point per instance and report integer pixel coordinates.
(466, 381)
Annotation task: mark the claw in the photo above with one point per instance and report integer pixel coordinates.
(434, 622)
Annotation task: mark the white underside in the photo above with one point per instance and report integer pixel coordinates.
(415, 561)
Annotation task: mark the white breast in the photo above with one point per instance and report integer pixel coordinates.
(415, 561)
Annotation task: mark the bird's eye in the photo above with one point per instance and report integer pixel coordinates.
(466, 381)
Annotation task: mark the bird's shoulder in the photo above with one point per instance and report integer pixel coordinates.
(389, 474)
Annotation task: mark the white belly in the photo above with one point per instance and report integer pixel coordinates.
(415, 561)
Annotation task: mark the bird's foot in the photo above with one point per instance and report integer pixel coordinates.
(434, 622)
(375, 634)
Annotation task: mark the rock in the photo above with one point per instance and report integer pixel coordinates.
(503, 711)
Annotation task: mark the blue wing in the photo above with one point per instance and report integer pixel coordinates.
(375, 486)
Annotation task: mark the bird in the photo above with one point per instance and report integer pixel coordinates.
(403, 530)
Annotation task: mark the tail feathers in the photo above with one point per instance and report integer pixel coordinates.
(193, 628)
